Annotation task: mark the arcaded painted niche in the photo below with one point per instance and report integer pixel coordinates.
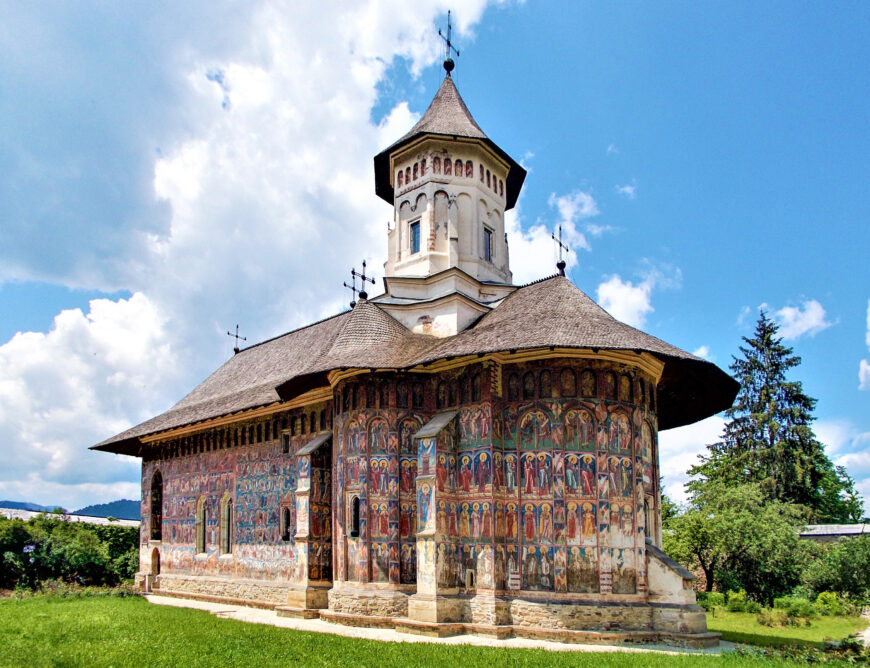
(575, 496)
(244, 471)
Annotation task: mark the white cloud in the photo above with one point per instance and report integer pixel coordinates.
(533, 251)
(679, 449)
(222, 195)
(629, 191)
(62, 391)
(703, 351)
(631, 302)
(612, 148)
(795, 321)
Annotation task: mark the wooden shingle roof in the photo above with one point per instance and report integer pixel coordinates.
(549, 313)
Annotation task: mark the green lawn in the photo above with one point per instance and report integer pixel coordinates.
(742, 627)
(108, 631)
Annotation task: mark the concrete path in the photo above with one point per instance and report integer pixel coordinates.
(259, 616)
(865, 634)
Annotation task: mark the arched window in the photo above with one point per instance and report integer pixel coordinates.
(436, 165)
(448, 166)
(513, 387)
(488, 179)
(625, 388)
(157, 506)
(423, 167)
(354, 517)
(588, 383)
(402, 395)
(312, 420)
(227, 532)
(285, 524)
(323, 420)
(475, 387)
(458, 168)
(568, 383)
(259, 433)
(416, 172)
(303, 422)
(451, 393)
(417, 395)
(545, 385)
(469, 169)
(407, 176)
(285, 444)
(500, 188)
(529, 386)
(201, 524)
(481, 173)
(401, 178)
(250, 434)
(441, 395)
(610, 385)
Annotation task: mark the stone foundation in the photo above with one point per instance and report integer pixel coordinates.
(246, 592)
(361, 600)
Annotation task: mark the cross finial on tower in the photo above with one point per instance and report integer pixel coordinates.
(363, 280)
(448, 46)
(561, 264)
(237, 338)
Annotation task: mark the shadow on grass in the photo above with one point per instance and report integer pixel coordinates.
(767, 641)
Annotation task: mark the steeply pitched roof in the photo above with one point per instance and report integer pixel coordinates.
(447, 116)
(549, 313)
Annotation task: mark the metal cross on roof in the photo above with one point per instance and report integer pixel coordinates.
(448, 46)
(237, 338)
(363, 280)
(561, 264)
(353, 289)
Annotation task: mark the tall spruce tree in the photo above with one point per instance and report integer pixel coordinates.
(769, 438)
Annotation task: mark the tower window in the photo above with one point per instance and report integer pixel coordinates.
(487, 244)
(354, 517)
(415, 237)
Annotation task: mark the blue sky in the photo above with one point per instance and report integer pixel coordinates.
(170, 171)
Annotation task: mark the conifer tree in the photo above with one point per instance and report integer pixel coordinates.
(769, 438)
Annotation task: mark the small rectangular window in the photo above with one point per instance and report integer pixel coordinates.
(487, 244)
(415, 237)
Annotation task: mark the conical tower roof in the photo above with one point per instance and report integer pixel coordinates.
(447, 116)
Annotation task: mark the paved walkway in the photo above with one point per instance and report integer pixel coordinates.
(865, 634)
(259, 616)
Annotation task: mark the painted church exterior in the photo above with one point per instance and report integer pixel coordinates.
(457, 454)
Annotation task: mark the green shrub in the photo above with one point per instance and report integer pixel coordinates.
(753, 607)
(736, 601)
(716, 599)
(794, 607)
(828, 603)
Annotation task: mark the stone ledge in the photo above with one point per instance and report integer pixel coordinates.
(365, 621)
(297, 613)
(430, 629)
(265, 605)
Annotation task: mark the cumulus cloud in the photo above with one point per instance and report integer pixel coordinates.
(218, 189)
(679, 449)
(533, 252)
(864, 365)
(795, 321)
(75, 385)
(632, 302)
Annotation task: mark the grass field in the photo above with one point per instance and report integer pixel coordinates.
(108, 631)
(742, 627)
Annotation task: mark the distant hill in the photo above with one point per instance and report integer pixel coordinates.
(124, 509)
(35, 507)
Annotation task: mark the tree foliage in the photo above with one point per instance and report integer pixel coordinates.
(844, 567)
(48, 547)
(768, 439)
(741, 541)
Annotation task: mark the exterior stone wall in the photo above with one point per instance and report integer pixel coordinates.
(254, 591)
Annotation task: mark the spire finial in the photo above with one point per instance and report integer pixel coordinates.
(448, 46)
(363, 280)
(561, 264)
(237, 338)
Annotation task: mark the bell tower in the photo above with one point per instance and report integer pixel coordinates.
(450, 186)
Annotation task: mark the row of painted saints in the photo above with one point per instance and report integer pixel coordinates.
(536, 429)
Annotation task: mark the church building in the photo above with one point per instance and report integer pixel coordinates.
(458, 454)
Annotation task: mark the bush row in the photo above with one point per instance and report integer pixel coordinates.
(48, 547)
(785, 608)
